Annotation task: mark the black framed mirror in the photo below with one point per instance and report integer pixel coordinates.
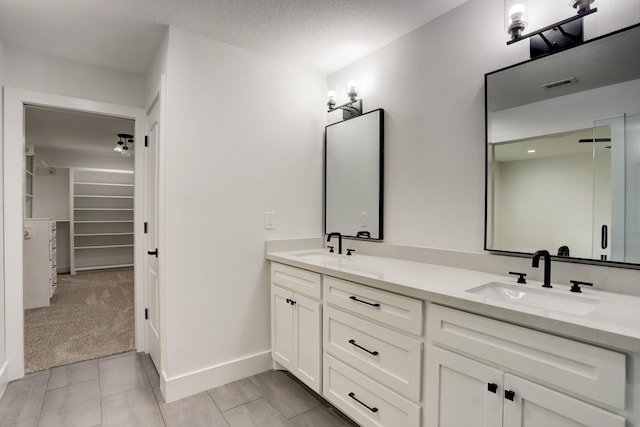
(563, 153)
(353, 176)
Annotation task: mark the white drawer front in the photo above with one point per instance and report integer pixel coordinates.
(296, 279)
(395, 310)
(364, 400)
(388, 357)
(576, 367)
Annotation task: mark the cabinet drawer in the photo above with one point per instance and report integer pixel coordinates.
(386, 356)
(575, 367)
(364, 400)
(296, 279)
(395, 310)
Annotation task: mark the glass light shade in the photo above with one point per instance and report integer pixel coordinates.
(352, 90)
(581, 6)
(331, 96)
(516, 16)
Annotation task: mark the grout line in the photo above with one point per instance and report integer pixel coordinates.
(46, 386)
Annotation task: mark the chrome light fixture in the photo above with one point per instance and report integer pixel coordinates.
(121, 146)
(351, 108)
(552, 38)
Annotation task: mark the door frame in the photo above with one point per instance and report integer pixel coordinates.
(13, 144)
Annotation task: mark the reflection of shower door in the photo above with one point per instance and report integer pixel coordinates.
(632, 189)
(604, 139)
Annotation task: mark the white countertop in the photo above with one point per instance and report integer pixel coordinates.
(614, 322)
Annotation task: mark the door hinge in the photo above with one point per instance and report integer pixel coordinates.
(146, 140)
(146, 227)
(146, 314)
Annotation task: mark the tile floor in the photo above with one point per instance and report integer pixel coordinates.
(123, 390)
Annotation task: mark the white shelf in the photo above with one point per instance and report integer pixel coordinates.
(103, 267)
(102, 209)
(103, 247)
(29, 173)
(101, 222)
(107, 184)
(102, 234)
(98, 196)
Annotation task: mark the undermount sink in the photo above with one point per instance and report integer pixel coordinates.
(316, 256)
(545, 299)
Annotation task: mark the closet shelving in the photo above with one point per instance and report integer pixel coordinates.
(102, 219)
(28, 185)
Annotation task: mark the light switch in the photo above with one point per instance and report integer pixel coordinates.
(363, 219)
(270, 220)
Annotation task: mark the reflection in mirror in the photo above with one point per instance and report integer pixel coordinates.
(563, 153)
(353, 176)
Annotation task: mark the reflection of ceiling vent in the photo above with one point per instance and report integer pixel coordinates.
(559, 83)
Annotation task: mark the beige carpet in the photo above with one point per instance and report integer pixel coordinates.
(91, 315)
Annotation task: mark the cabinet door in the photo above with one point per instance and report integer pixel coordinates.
(282, 334)
(537, 406)
(308, 341)
(461, 392)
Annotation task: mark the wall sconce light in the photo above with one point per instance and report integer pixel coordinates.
(350, 109)
(550, 39)
(121, 146)
(516, 17)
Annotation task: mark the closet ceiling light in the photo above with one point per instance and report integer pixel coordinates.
(121, 146)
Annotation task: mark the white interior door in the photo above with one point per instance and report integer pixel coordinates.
(152, 328)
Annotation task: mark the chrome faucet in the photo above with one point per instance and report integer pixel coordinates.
(339, 240)
(547, 266)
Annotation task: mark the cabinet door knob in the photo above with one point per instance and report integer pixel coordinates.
(492, 387)
(509, 395)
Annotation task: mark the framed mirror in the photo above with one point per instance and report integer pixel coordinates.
(563, 153)
(353, 172)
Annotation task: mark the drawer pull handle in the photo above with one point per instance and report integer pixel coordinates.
(373, 353)
(363, 302)
(492, 387)
(509, 395)
(353, 396)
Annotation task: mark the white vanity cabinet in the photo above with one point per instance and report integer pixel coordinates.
(296, 322)
(476, 369)
(372, 354)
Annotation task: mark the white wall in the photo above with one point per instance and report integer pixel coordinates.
(431, 85)
(3, 354)
(27, 69)
(243, 136)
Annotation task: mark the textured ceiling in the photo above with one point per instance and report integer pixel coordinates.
(323, 35)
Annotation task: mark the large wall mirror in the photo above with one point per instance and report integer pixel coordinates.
(353, 176)
(563, 153)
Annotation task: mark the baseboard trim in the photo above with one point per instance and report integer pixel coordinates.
(4, 378)
(198, 381)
